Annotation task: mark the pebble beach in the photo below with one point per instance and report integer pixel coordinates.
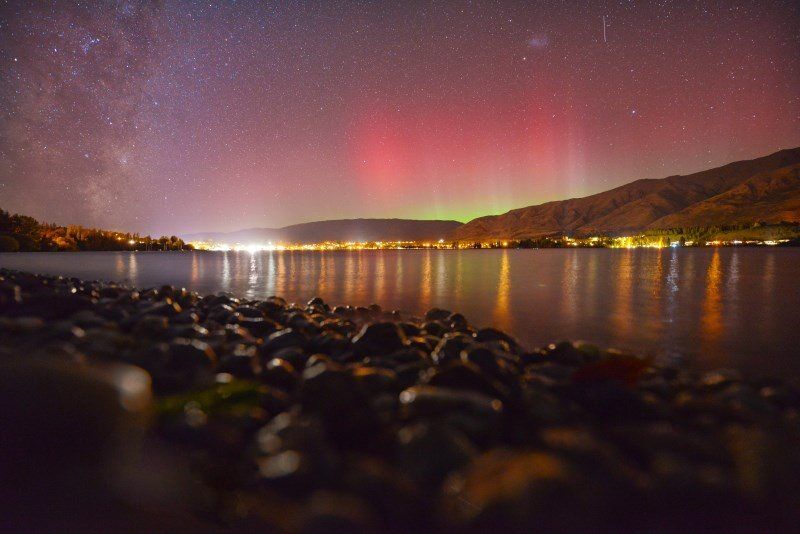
(160, 407)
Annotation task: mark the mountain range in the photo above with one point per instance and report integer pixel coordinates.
(765, 189)
(359, 230)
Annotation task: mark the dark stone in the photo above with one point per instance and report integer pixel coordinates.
(221, 313)
(410, 329)
(457, 321)
(485, 358)
(437, 314)
(433, 328)
(258, 326)
(51, 306)
(463, 376)
(280, 374)
(191, 354)
(520, 491)
(296, 356)
(379, 338)
(249, 311)
(493, 334)
(565, 353)
(316, 301)
(10, 294)
(450, 347)
(242, 362)
(166, 308)
(329, 342)
(374, 381)
(428, 401)
(318, 359)
(333, 395)
(194, 331)
(429, 452)
(282, 339)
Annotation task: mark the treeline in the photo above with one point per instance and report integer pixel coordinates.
(699, 233)
(24, 233)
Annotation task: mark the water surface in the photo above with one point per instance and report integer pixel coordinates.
(712, 307)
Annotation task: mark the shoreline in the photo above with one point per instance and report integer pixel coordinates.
(313, 248)
(297, 416)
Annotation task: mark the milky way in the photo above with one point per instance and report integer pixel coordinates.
(175, 116)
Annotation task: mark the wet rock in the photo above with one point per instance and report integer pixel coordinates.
(167, 308)
(220, 313)
(457, 321)
(434, 328)
(295, 356)
(336, 512)
(427, 401)
(283, 339)
(249, 311)
(379, 338)
(516, 491)
(450, 347)
(51, 306)
(280, 374)
(333, 395)
(103, 343)
(437, 314)
(485, 358)
(72, 432)
(375, 381)
(289, 471)
(289, 431)
(493, 334)
(566, 353)
(319, 359)
(150, 327)
(10, 294)
(429, 452)
(186, 317)
(193, 331)
(189, 360)
(242, 361)
(462, 376)
(258, 326)
(329, 342)
(410, 329)
(719, 379)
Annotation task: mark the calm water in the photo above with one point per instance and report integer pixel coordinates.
(707, 307)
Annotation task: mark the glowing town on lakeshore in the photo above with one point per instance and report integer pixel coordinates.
(640, 241)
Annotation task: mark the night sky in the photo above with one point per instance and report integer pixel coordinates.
(174, 116)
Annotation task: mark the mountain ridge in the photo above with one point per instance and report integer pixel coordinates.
(632, 207)
(359, 229)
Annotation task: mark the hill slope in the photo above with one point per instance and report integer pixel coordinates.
(771, 197)
(337, 230)
(631, 207)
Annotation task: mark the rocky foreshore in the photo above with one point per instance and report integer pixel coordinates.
(311, 418)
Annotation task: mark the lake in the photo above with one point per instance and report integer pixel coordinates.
(707, 308)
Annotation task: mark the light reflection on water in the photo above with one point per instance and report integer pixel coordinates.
(737, 307)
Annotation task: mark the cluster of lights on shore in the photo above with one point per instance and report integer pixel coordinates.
(327, 245)
(615, 242)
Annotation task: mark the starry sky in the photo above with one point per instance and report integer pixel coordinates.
(176, 116)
